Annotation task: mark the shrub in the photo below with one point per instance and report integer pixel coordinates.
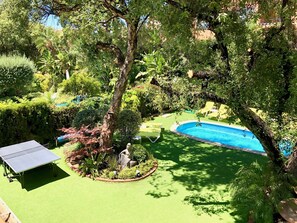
(131, 100)
(151, 99)
(16, 73)
(92, 115)
(146, 167)
(88, 117)
(81, 84)
(93, 102)
(256, 192)
(32, 120)
(127, 173)
(112, 162)
(41, 82)
(138, 153)
(88, 138)
(93, 164)
(128, 125)
(88, 167)
(63, 116)
(143, 168)
(21, 122)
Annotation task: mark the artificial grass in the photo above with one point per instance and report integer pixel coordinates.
(190, 185)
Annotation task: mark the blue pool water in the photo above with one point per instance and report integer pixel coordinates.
(224, 135)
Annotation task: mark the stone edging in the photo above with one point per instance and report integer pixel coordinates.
(152, 170)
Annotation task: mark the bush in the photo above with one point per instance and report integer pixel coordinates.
(128, 125)
(143, 168)
(131, 100)
(151, 100)
(88, 117)
(138, 153)
(81, 84)
(88, 167)
(257, 191)
(92, 115)
(127, 173)
(41, 82)
(62, 117)
(16, 73)
(112, 163)
(32, 120)
(21, 122)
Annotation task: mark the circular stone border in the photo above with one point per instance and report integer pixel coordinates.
(152, 170)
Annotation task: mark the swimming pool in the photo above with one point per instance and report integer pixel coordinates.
(223, 135)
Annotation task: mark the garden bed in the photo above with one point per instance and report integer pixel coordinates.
(145, 169)
(150, 172)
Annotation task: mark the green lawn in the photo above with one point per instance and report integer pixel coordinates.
(190, 185)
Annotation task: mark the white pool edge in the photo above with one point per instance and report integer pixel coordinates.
(175, 125)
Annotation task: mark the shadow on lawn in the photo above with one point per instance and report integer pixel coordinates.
(41, 176)
(203, 170)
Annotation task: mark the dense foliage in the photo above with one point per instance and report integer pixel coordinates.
(32, 120)
(128, 125)
(94, 162)
(88, 117)
(138, 153)
(41, 82)
(256, 192)
(16, 73)
(15, 28)
(242, 62)
(81, 84)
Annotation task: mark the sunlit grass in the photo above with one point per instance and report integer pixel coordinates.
(190, 185)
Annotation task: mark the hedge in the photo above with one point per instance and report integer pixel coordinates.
(32, 120)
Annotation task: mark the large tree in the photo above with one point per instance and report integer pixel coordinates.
(57, 54)
(15, 28)
(248, 65)
(109, 26)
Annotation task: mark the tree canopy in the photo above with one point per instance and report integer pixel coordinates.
(245, 63)
(15, 28)
(239, 53)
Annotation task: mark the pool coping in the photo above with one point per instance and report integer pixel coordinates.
(175, 125)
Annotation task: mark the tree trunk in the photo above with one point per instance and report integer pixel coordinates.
(261, 130)
(291, 165)
(110, 118)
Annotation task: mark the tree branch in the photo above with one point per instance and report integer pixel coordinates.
(182, 7)
(200, 74)
(211, 97)
(261, 130)
(55, 7)
(284, 5)
(113, 49)
(104, 23)
(142, 22)
(60, 7)
(176, 5)
(214, 25)
(116, 12)
(124, 3)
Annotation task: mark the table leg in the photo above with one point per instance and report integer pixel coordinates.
(54, 169)
(22, 179)
(5, 170)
